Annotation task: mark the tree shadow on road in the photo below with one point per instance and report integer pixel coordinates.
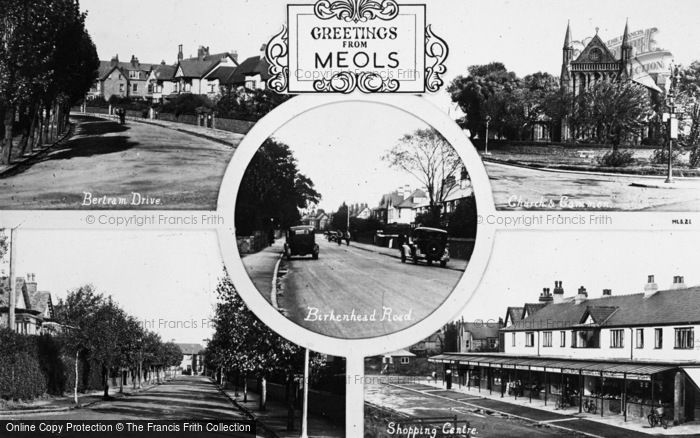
(94, 126)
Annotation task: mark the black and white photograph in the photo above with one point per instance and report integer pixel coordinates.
(566, 344)
(355, 227)
(87, 335)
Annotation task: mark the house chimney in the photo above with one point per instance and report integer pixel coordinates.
(607, 292)
(651, 287)
(114, 61)
(581, 296)
(134, 61)
(263, 49)
(31, 284)
(234, 55)
(678, 282)
(558, 295)
(179, 53)
(545, 296)
(202, 53)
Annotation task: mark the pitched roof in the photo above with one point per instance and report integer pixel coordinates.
(106, 68)
(164, 72)
(514, 314)
(37, 301)
(222, 73)
(410, 202)
(393, 199)
(531, 308)
(481, 330)
(250, 67)
(190, 348)
(196, 68)
(680, 306)
(596, 42)
(399, 353)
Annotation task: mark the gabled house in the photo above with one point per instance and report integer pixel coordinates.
(478, 336)
(123, 79)
(401, 205)
(192, 358)
(161, 82)
(34, 312)
(251, 74)
(191, 73)
(316, 218)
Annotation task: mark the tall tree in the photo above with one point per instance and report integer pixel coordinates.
(272, 190)
(611, 111)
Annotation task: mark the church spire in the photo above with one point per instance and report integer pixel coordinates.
(625, 35)
(567, 38)
(626, 52)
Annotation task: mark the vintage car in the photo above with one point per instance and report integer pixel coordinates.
(429, 244)
(301, 241)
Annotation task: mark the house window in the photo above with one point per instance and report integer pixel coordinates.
(639, 341)
(658, 338)
(512, 339)
(529, 339)
(250, 85)
(684, 338)
(547, 339)
(135, 88)
(212, 87)
(562, 339)
(617, 338)
(133, 74)
(121, 88)
(585, 339)
(405, 360)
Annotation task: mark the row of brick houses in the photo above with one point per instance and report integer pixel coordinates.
(622, 353)
(207, 74)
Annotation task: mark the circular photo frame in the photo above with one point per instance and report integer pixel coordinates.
(377, 342)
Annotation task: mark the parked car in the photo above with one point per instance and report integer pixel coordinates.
(301, 241)
(429, 244)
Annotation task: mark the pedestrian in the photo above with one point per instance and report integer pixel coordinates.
(347, 238)
(122, 116)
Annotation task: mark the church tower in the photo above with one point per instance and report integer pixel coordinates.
(566, 80)
(626, 55)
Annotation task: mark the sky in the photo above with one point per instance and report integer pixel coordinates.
(522, 263)
(342, 154)
(167, 280)
(526, 35)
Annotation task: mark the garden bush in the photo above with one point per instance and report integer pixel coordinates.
(21, 377)
(617, 158)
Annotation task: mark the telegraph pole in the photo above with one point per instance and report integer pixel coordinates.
(672, 120)
(13, 279)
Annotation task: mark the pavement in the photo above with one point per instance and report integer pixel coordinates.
(524, 188)
(165, 167)
(351, 292)
(274, 417)
(569, 421)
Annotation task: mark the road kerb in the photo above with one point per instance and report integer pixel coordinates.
(507, 414)
(270, 433)
(273, 287)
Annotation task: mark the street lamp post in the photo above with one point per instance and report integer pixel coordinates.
(486, 139)
(672, 120)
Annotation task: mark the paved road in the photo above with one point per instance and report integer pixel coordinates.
(108, 159)
(516, 187)
(348, 281)
(425, 405)
(187, 397)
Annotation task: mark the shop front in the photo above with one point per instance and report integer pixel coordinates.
(604, 388)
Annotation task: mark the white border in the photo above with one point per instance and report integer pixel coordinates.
(456, 301)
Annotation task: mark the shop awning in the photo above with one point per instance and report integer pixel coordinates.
(693, 374)
(608, 369)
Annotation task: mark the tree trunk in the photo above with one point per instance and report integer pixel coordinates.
(75, 385)
(6, 155)
(121, 380)
(263, 393)
(245, 389)
(140, 370)
(105, 381)
(290, 403)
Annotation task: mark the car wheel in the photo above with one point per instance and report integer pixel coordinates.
(415, 260)
(430, 262)
(443, 263)
(315, 256)
(403, 258)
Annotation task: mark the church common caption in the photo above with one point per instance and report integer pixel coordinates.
(340, 46)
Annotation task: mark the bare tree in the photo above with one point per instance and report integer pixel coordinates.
(427, 156)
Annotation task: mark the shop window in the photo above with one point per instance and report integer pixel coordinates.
(617, 338)
(658, 338)
(585, 339)
(639, 342)
(684, 338)
(547, 339)
(529, 339)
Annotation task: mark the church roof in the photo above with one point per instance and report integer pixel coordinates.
(595, 52)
